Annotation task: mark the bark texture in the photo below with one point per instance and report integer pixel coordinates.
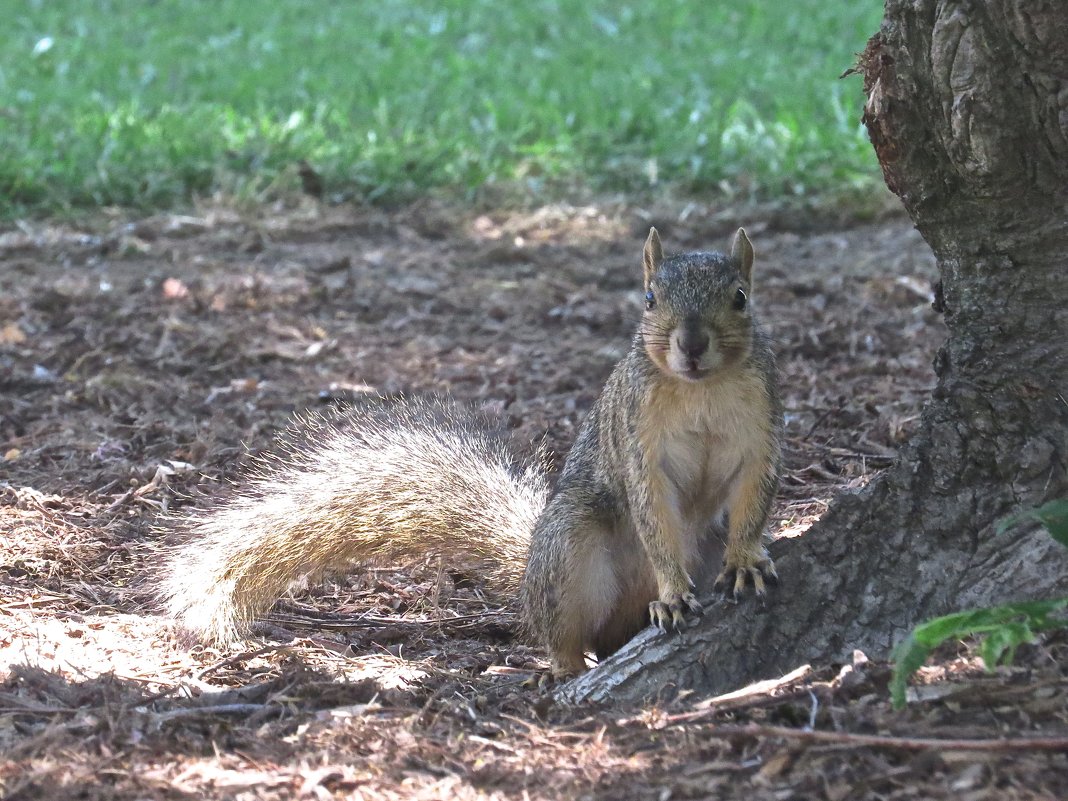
(967, 109)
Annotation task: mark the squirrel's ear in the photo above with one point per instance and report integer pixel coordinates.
(742, 254)
(652, 256)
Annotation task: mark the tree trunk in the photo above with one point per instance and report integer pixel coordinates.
(967, 108)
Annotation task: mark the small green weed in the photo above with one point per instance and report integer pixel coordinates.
(1002, 628)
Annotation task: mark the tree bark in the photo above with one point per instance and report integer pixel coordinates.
(967, 109)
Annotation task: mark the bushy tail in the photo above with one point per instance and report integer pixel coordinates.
(406, 480)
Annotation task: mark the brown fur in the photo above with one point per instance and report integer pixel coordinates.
(674, 442)
(686, 431)
(404, 480)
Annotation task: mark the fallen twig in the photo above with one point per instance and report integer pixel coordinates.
(220, 709)
(1059, 744)
(241, 657)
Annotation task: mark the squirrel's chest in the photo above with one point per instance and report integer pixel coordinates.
(700, 441)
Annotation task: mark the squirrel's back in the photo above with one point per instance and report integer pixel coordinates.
(391, 480)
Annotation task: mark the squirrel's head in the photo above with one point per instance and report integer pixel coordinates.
(697, 318)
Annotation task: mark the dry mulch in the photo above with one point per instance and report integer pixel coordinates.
(141, 360)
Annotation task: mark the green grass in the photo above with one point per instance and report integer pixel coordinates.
(147, 104)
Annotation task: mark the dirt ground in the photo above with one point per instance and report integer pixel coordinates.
(142, 360)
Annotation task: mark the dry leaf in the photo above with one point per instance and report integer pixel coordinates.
(776, 765)
(11, 334)
(173, 289)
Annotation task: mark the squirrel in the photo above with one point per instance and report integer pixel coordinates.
(683, 442)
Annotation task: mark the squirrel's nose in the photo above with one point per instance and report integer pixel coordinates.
(693, 344)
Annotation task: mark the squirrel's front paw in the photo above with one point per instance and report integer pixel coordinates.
(758, 570)
(667, 615)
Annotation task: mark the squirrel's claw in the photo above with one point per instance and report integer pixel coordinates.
(672, 614)
(732, 581)
(660, 615)
(692, 604)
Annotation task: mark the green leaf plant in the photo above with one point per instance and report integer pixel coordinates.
(1001, 628)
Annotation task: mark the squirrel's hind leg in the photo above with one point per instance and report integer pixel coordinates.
(571, 588)
(566, 664)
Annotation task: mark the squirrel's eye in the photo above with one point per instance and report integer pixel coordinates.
(739, 299)
(650, 299)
